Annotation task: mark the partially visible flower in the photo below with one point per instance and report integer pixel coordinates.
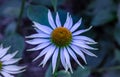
(7, 63)
(61, 40)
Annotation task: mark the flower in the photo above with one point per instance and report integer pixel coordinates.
(7, 63)
(61, 40)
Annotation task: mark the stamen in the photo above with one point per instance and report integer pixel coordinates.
(0, 65)
(61, 36)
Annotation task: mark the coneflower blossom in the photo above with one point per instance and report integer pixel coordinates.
(7, 63)
(64, 40)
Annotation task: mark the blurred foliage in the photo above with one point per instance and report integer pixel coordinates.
(38, 14)
(103, 11)
(16, 42)
(81, 73)
(104, 15)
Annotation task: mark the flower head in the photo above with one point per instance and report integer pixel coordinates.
(7, 63)
(61, 40)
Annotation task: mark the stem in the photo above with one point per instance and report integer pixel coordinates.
(21, 12)
(57, 65)
(54, 3)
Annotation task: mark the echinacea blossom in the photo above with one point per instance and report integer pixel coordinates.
(7, 63)
(61, 40)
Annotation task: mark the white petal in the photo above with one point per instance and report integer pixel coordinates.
(44, 51)
(38, 30)
(4, 51)
(6, 74)
(40, 46)
(11, 61)
(81, 31)
(83, 45)
(63, 61)
(37, 41)
(76, 25)
(50, 19)
(78, 51)
(14, 72)
(58, 20)
(67, 58)
(74, 56)
(48, 55)
(38, 35)
(9, 56)
(70, 23)
(67, 21)
(43, 28)
(87, 52)
(54, 59)
(13, 68)
(84, 38)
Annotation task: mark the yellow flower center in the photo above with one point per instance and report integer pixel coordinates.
(0, 65)
(61, 36)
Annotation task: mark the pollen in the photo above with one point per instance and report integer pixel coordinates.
(61, 36)
(0, 65)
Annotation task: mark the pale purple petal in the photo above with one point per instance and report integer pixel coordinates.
(43, 28)
(48, 55)
(70, 23)
(81, 31)
(44, 51)
(38, 35)
(67, 21)
(5, 74)
(74, 56)
(14, 72)
(13, 67)
(63, 61)
(87, 52)
(4, 51)
(9, 56)
(37, 41)
(50, 19)
(83, 45)
(84, 38)
(40, 46)
(78, 51)
(58, 22)
(54, 59)
(11, 61)
(67, 58)
(75, 27)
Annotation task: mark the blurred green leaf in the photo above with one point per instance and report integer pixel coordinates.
(10, 8)
(80, 72)
(103, 11)
(102, 17)
(105, 47)
(49, 71)
(10, 29)
(117, 55)
(16, 42)
(38, 14)
(63, 73)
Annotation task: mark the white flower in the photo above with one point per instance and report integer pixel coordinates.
(7, 63)
(62, 40)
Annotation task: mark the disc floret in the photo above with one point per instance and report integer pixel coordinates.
(61, 36)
